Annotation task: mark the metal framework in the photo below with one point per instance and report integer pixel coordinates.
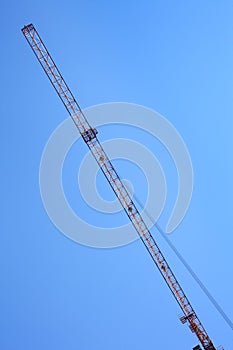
(89, 135)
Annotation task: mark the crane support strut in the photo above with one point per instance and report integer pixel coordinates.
(89, 135)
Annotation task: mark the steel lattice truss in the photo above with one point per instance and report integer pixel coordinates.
(90, 137)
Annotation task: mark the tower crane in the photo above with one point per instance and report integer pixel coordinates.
(89, 135)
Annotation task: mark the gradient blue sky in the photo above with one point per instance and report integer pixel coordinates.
(175, 57)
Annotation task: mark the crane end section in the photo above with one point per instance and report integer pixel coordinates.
(28, 28)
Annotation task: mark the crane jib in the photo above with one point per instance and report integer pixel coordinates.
(89, 135)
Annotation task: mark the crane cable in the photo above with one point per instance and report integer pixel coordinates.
(187, 266)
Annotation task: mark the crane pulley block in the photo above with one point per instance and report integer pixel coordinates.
(89, 134)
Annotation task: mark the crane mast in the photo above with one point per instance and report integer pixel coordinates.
(89, 135)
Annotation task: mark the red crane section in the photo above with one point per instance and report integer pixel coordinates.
(89, 135)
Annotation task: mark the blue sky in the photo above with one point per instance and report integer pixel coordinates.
(173, 57)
